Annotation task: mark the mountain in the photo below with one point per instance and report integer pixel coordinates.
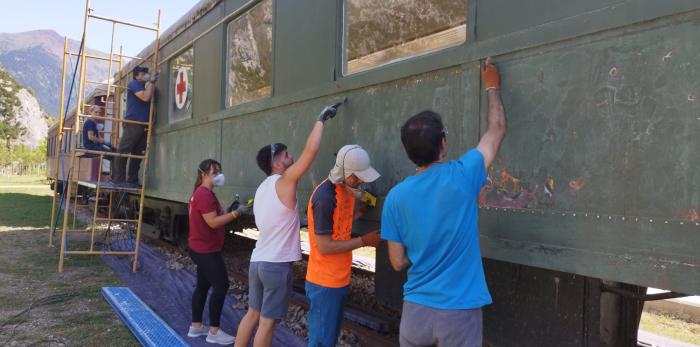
(34, 59)
(22, 121)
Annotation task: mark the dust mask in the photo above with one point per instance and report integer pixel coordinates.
(356, 192)
(218, 180)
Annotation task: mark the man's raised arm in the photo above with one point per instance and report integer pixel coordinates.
(313, 143)
(496, 129)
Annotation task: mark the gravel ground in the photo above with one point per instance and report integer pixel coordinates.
(237, 261)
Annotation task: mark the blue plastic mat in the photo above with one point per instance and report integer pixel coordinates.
(145, 324)
(168, 293)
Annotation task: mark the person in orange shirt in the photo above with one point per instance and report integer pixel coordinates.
(331, 212)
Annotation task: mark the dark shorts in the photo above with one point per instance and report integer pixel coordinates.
(427, 326)
(269, 288)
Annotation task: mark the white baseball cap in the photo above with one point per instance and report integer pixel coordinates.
(353, 159)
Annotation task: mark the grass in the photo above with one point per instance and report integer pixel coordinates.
(22, 205)
(23, 180)
(25, 202)
(671, 327)
(77, 315)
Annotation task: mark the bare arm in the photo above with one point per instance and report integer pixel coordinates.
(397, 256)
(214, 221)
(496, 130)
(326, 245)
(286, 186)
(146, 94)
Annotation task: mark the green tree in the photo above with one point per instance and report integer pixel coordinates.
(10, 129)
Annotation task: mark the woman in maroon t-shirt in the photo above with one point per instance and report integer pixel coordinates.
(206, 240)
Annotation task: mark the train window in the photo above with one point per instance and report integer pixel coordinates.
(381, 32)
(250, 55)
(181, 82)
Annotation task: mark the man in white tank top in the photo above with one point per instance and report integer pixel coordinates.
(277, 217)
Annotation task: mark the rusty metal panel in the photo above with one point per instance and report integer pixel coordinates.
(598, 173)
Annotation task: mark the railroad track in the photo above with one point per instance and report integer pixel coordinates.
(356, 321)
(370, 328)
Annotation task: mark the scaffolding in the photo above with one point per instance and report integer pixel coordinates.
(117, 219)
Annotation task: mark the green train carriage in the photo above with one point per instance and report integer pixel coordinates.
(595, 193)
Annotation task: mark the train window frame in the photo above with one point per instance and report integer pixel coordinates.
(227, 56)
(171, 89)
(469, 33)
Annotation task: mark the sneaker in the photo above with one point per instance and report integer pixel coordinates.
(201, 331)
(221, 338)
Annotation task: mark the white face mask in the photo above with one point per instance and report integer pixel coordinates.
(100, 127)
(356, 192)
(219, 180)
(146, 76)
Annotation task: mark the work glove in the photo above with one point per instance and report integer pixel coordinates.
(489, 75)
(153, 78)
(244, 210)
(371, 239)
(327, 113)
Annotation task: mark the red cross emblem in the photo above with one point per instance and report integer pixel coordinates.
(181, 88)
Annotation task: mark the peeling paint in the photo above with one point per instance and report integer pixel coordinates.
(690, 214)
(503, 189)
(575, 185)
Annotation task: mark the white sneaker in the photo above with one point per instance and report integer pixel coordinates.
(195, 332)
(221, 338)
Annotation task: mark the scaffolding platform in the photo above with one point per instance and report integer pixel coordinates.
(108, 187)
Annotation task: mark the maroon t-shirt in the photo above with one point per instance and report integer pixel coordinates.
(204, 239)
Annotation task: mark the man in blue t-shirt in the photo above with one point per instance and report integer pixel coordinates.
(430, 223)
(91, 134)
(133, 140)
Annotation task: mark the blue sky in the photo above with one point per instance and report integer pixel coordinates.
(66, 18)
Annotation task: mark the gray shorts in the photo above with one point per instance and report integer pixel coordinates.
(269, 288)
(427, 326)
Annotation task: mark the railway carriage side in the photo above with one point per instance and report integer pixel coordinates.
(595, 183)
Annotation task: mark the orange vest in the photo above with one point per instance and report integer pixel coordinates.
(332, 270)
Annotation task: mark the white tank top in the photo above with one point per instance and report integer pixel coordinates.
(278, 240)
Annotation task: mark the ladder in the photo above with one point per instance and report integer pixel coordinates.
(117, 215)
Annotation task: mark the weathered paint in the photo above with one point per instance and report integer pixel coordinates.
(603, 123)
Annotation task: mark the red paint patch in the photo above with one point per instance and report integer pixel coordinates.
(576, 184)
(689, 214)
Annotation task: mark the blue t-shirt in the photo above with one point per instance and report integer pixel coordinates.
(90, 125)
(136, 109)
(434, 214)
